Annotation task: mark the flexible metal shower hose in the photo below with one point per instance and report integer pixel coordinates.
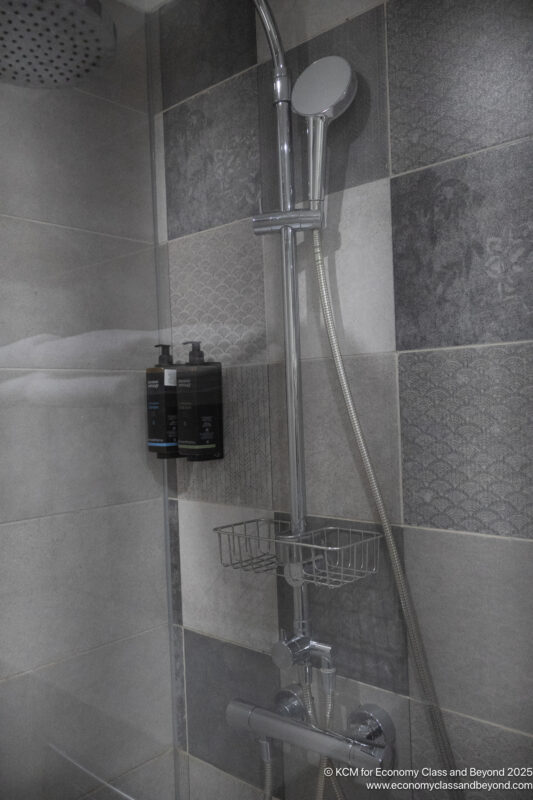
(411, 622)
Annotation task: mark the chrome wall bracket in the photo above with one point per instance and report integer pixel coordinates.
(304, 219)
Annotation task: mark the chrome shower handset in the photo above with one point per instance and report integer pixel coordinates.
(322, 93)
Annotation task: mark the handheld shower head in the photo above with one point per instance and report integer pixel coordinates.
(322, 93)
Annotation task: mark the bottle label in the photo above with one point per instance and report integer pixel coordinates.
(170, 377)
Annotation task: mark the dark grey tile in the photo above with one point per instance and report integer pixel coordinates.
(218, 672)
(357, 141)
(362, 621)
(155, 779)
(463, 250)
(208, 782)
(475, 744)
(460, 76)
(202, 43)
(335, 479)
(175, 566)
(212, 157)
(243, 476)
(474, 602)
(218, 294)
(180, 712)
(467, 439)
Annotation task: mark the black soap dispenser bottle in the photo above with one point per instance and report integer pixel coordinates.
(199, 385)
(162, 406)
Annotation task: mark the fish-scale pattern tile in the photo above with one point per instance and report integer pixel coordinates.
(217, 293)
(243, 476)
(467, 439)
(460, 77)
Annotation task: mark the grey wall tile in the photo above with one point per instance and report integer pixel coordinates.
(202, 44)
(361, 621)
(474, 603)
(357, 141)
(466, 439)
(336, 483)
(124, 80)
(459, 77)
(178, 664)
(212, 157)
(175, 563)
(358, 252)
(213, 597)
(107, 710)
(217, 293)
(218, 672)
(155, 779)
(86, 164)
(303, 19)
(243, 476)
(73, 440)
(75, 581)
(75, 299)
(208, 782)
(475, 744)
(463, 250)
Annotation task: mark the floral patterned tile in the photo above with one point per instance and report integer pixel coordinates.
(463, 251)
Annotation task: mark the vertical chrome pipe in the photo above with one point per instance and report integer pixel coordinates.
(282, 100)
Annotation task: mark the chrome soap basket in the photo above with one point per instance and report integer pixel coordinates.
(329, 556)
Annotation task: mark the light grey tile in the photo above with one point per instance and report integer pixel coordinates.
(124, 80)
(358, 140)
(151, 781)
(459, 77)
(243, 476)
(202, 44)
(218, 672)
(476, 744)
(357, 245)
(106, 711)
(463, 250)
(75, 299)
(73, 440)
(301, 20)
(466, 439)
(74, 581)
(301, 776)
(212, 157)
(209, 783)
(232, 604)
(474, 603)
(85, 164)
(217, 293)
(336, 483)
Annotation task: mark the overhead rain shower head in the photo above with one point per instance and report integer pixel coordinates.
(322, 93)
(52, 43)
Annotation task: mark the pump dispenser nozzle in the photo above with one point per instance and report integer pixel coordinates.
(196, 356)
(165, 359)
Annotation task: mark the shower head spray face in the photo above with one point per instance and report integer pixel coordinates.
(52, 43)
(322, 93)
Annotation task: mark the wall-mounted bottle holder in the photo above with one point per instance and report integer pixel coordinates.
(330, 556)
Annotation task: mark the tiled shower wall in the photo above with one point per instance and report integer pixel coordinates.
(429, 249)
(85, 686)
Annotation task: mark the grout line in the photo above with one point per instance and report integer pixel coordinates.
(75, 370)
(75, 228)
(445, 531)
(226, 641)
(108, 781)
(85, 510)
(78, 653)
(108, 100)
(229, 774)
(208, 230)
(207, 89)
(481, 346)
(475, 719)
(450, 160)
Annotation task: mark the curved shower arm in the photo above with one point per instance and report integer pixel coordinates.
(272, 34)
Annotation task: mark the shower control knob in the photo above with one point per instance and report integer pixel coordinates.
(287, 652)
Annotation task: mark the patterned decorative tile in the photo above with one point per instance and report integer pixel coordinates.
(212, 157)
(362, 621)
(336, 483)
(460, 76)
(463, 250)
(217, 293)
(357, 141)
(467, 439)
(474, 603)
(218, 672)
(243, 476)
(475, 744)
(202, 43)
